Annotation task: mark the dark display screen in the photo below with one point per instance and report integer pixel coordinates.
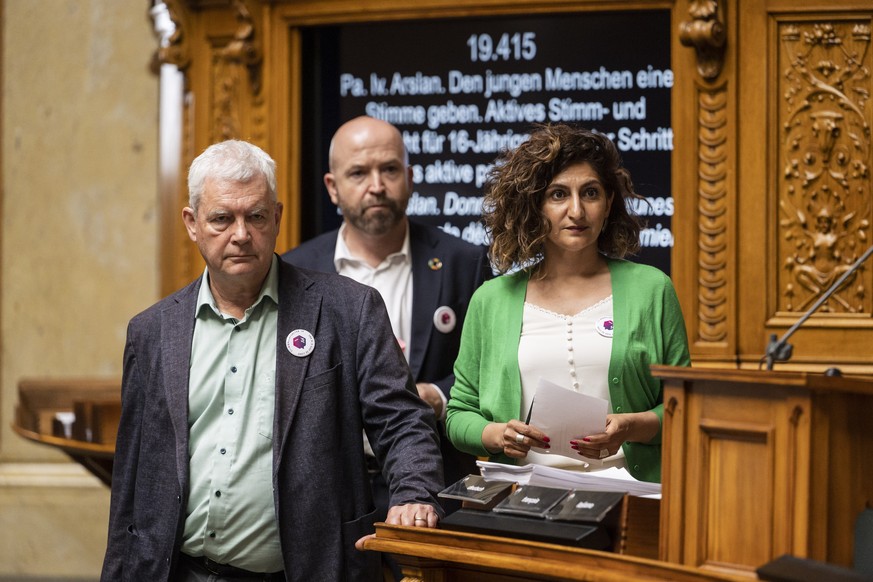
(461, 90)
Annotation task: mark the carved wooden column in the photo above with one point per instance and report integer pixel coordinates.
(703, 119)
(218, 48)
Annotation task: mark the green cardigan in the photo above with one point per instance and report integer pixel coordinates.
(649, 329)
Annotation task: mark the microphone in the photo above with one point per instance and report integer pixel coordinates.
(780, 350)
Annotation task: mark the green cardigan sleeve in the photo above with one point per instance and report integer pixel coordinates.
(487, 381)
(464, 421)
(650, 329)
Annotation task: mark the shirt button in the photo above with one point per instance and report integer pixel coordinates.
(615, 380)
(218, 493)
(212, 534)
(618, 408)
(222, 451)
(233, 369)
(230, 410)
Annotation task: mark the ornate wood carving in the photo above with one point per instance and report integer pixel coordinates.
(712, 203)
(174, 47)
(236, 76)
(824, 147)
(244, 49)
(706, 34)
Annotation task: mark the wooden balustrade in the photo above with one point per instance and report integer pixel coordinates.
(78, 416)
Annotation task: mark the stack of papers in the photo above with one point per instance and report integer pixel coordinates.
(611, 479)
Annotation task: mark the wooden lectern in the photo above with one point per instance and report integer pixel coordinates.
(760, 464)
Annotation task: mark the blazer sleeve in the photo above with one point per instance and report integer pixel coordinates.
(401, 428)
(125, 464)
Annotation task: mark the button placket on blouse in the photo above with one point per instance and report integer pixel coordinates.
(570, 359)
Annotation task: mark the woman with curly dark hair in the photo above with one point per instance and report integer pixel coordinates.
(573, 311)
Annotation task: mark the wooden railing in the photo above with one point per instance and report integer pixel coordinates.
(77, 416)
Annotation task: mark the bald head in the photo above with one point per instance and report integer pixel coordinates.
(370, 180)
(364, 132)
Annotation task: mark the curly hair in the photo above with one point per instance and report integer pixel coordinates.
(516, 185)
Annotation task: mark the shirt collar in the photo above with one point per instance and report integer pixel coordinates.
(270, 289)
(342, 253)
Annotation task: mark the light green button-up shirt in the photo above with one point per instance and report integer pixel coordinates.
(231, 517)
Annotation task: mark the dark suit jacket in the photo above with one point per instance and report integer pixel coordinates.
(355, 379)
(464, 268)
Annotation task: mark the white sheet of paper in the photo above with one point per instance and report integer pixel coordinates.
(564, 415)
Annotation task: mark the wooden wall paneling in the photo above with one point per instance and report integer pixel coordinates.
(704, 114)
(283, 69)
(673, 491)
(751, 167)
(818, 184)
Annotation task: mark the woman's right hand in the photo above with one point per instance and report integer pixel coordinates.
(514, 438)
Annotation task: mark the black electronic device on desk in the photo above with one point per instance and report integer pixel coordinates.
(585, 519)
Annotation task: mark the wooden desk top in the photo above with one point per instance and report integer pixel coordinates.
(474, 556)
(69, 446)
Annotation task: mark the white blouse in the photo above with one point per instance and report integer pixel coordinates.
(570, 351)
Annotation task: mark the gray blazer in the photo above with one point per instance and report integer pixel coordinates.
(355, 379)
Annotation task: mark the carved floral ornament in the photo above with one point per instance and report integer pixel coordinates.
(705, 33)
(242, 49)
(824, 187)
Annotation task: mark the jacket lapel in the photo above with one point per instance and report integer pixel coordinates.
(324, 259)
(177, 331)
(426, 287)
(299, 308)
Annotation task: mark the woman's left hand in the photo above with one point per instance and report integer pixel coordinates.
(620, 428)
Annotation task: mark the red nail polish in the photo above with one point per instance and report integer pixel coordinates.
(548, 446)
(574, 447)
(546, 439)
(586, 439)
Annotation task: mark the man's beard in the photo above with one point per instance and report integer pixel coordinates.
(378, 222)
